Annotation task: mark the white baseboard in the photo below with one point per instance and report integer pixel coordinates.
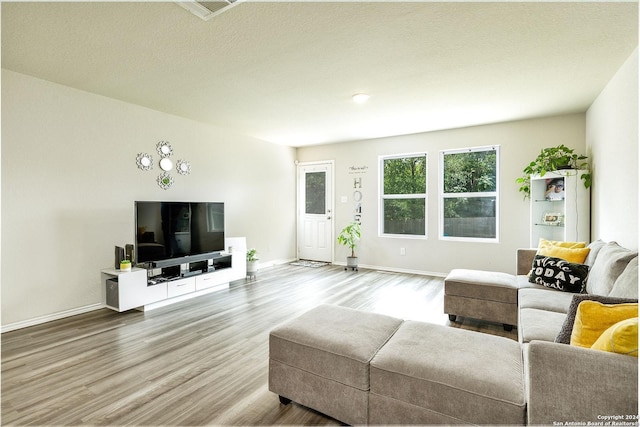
(51, 317)
(273, 263)
(397, 270)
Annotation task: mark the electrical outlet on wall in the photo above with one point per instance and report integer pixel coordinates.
(403, 252)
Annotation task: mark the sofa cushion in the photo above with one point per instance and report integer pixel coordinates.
(535, 324)
(593, 318)
(564, 336)
(609, 264)
(626, 285)
(485, 285)
(594, 249)
(575, 255)
(462, 376)
(544, 298)
(558, 274)
(333, 342)
(621, 338)
(561, 243)
(523, 282)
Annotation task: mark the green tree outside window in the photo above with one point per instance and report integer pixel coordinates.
(469, 193)
(404, 191)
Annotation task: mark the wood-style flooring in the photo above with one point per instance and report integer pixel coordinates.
(198, 362)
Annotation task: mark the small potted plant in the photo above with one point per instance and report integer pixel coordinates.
(553, 159)
(349, 237)
(125, 265)
(252, 262)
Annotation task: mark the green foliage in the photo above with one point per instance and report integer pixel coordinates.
(552, 159)
(469, 172)
(251, 255)
(472, 172)
(405, 176)
(349, 236)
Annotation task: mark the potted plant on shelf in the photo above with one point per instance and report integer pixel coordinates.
(349, 237)
(553, 159)
(252, 262)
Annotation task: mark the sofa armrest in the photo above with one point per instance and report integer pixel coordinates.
(568, 383)
(525, 258)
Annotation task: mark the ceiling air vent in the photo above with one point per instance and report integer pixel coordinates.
(206, 10)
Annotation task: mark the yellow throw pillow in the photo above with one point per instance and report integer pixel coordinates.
(593, 318)
(545, 242)
(574, 255)
(620, 338)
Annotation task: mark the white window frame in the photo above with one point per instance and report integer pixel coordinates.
(382, 197)
(442, 195)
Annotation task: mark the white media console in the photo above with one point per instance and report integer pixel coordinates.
(145, 290)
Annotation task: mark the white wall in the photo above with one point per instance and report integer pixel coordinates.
(69, 180)
(520, 143)
(612, 142)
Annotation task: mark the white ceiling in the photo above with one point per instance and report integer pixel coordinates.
(285, 71)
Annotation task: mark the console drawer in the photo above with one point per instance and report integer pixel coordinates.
(181, 287)
(216, 278)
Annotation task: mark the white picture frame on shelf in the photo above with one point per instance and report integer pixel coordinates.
(552, 218)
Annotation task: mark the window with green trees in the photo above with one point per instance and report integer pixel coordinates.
(469, 193)
(403, 195)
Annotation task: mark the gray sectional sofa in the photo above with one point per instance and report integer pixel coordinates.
(366, 368)
(572, 383)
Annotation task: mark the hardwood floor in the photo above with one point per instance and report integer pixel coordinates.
(198, 362)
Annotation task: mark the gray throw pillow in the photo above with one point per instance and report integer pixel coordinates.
(564, 336)
(626, 285)
(593, 253)
(611, 261)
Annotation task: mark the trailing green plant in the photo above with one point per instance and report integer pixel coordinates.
(349, 236)
(552, 159)
(251, 255)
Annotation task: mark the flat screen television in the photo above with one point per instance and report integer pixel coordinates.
(171, 233)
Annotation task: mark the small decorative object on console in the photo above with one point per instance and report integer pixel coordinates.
(252, 262)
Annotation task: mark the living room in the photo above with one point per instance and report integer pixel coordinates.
(69, 153)
(70, 180)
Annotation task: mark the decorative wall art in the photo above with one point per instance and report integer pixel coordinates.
(144, 161)
(183, 168)
(165, 150)
(357, 191)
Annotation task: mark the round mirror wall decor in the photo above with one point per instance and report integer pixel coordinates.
(166, 164)
(164, 149)
(183, 167)
(165, 181)
(144, 161)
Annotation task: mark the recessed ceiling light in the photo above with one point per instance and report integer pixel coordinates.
(360, 98)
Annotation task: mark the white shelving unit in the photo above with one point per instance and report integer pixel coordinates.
(132, 289)
(565, 219)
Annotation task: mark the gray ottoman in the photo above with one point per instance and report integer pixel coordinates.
(321, 359)
(435, 374)
(484, 295)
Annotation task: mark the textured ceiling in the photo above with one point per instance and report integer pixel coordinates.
(285, 71)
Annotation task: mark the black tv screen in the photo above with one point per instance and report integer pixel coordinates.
(174, 230)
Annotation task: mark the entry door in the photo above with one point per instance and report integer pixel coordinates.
(315, 211)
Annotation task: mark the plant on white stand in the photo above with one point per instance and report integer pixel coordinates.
(349, 237)
(252, 262)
